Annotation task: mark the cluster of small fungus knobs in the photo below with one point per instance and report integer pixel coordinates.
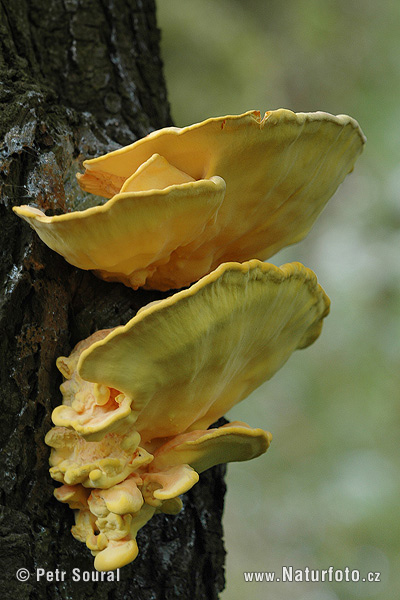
(196, 209)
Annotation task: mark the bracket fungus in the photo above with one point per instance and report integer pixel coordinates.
(183, 201)
(175, 368)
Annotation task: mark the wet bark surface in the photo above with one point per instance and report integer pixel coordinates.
(78, 78)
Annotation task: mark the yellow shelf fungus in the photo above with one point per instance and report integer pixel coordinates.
(178, 366)
(182, 362)
(100, 464)
(108, 520)
(183, 201)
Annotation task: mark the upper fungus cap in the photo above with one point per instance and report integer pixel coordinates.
(187, 359)
(185, 200)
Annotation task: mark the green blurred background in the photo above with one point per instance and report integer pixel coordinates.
(327, 491)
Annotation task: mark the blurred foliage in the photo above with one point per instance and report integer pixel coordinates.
(327, 491)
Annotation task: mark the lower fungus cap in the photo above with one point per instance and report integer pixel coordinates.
(228, 333)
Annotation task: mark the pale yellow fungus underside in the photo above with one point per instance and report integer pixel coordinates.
(202, 450)
(121, 499)
(189, 358)
(99, 464)
(108, 520)
(168, 484)
(279, 172)
(88, 408)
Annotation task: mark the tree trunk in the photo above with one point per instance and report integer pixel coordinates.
(79, 78)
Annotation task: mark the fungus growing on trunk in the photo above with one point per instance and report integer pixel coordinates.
(185, 200)
(177, 367)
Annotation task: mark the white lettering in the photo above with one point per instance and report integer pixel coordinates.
(248, 576)
(287, 573)
(338, 575)
(314, 575)
(56, 575)
(78, 575)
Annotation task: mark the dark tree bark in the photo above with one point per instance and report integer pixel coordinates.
(79, 77)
